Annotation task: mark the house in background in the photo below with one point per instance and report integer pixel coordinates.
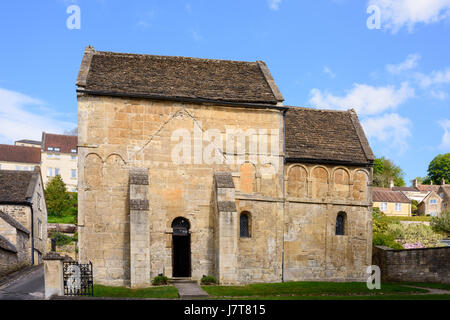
(14, 245)
(444, 193)
(60, 157)
(391, 202)
(19, 157)
(22, 198)
(28, 143)
(430, 205)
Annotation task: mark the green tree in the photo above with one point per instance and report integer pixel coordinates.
(439, 169)
(57, 197)
(384, 170)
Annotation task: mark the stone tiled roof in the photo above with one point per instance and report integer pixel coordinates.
(17, 186)
(325, 135)
(20, 154)
(388, 195)
(66, 143)
(13, 222)
(412, 189)
(6, 245)
(426, 187)
(168, 77)
(224, 180)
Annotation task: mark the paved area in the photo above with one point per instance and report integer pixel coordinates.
(25, 285)
(190, 290)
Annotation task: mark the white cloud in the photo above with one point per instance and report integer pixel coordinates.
(396, 14)
(390, 129)
(445, 144)
(329, 72)
(436, 77)
(23, 117)
(274, 4)
(408, 64)
(438, 94)
(365, 99)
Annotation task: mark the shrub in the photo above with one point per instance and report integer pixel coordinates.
(418, 233)
(441, 223)
(160, 280)
(388, 240)
(208, 280)
(62, 239)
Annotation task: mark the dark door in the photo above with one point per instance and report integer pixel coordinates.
(181, 255)
(181, 248)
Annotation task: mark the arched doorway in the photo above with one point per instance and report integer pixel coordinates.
(181, 248)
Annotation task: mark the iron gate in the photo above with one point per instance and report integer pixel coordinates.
(78, 279)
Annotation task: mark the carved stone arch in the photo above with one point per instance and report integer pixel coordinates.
(93, 167)
(341, 179)
(360, 185)
(115, 172)
(269, 182)
(320, 176)
(247, 180)
(297, 184)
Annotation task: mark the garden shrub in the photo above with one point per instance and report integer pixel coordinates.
(387, 240)
(62, 239)
(442, 223)
(160, 280)
(208, 280)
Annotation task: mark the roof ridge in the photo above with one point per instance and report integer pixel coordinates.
(126, 54)
(317, 109)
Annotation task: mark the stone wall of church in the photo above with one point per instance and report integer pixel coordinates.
(116, 134)
(316, 194)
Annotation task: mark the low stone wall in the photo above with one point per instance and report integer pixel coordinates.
(418, 265)
(10, 262)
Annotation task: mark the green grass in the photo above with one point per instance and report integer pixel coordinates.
(442, 286)
(305, 288)
(164, 292)
(372, 297)
(69, 219)
(415, 218)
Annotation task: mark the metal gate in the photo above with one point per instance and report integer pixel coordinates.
(78, 279)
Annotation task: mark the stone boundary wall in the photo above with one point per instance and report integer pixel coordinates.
(418, 265)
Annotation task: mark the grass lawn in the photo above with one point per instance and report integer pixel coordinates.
(442, 286)
(415, 218)
(372, 297)
(287, 289)
(164, 292)
(70, 219)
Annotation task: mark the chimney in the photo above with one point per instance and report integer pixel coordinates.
(431, 182)
(415, 183)
(391, 184)
(443, 181)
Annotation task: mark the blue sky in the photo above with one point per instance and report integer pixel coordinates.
(321, 53)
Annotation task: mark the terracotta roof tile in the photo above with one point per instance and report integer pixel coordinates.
(20, 154)
(112, 73)
(65, 143)
(315, 134)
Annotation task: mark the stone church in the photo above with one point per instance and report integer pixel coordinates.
(192, 167)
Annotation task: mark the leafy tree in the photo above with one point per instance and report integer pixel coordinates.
(384, 171)
(439, 169)
(57, 197)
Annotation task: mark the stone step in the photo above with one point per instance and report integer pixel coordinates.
(190, 290)
(182, 280)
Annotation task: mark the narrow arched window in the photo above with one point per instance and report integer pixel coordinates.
(340, 224)
(244, 223)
